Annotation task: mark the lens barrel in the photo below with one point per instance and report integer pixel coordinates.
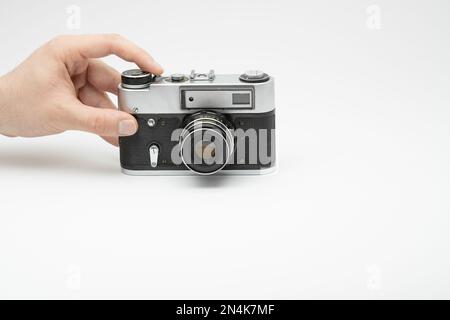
(206, 142)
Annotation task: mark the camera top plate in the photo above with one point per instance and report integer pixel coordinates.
(252, 91)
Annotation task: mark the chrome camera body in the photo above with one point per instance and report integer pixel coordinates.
(201, 123)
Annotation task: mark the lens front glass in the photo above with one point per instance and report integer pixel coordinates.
(206, 145)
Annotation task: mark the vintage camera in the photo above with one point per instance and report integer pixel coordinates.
(200, 123)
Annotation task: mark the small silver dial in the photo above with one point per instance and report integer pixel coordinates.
(177, 77)
(254, 76)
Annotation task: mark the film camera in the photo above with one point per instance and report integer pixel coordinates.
(199, 123)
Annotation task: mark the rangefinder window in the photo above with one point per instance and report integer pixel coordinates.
(217, 97)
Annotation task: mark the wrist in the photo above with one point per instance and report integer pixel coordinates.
(4, 105)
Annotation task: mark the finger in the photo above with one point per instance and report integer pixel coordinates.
(101, 121)
(111, 140)
(90, 96)
(95, 98)
(79, 81)
(102, 76)
(101, 45)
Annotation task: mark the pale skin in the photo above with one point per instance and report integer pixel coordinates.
(63, 85)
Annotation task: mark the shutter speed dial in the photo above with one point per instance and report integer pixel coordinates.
(136, 79)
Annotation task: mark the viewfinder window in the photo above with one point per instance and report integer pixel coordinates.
(241, 98)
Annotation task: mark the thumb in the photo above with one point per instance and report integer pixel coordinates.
(104, 122)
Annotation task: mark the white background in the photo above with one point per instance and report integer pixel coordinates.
(359, 207)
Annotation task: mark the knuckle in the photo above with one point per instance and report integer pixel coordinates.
(114, 37)
(58, 40)
(57, 43)
(113, 41)
(98, 124)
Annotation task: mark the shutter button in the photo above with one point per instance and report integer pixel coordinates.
(177, 77)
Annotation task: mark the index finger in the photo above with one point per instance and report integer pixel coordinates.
(102, 45)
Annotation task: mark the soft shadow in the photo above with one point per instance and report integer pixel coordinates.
(215, 181)
(59, 161)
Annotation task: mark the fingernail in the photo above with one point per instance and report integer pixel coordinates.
(127, 127)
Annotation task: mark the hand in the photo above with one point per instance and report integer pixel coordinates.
(62, 86)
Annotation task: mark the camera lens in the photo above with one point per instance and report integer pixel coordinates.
(206, 142)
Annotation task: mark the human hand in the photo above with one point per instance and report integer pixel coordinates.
(62, 86)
